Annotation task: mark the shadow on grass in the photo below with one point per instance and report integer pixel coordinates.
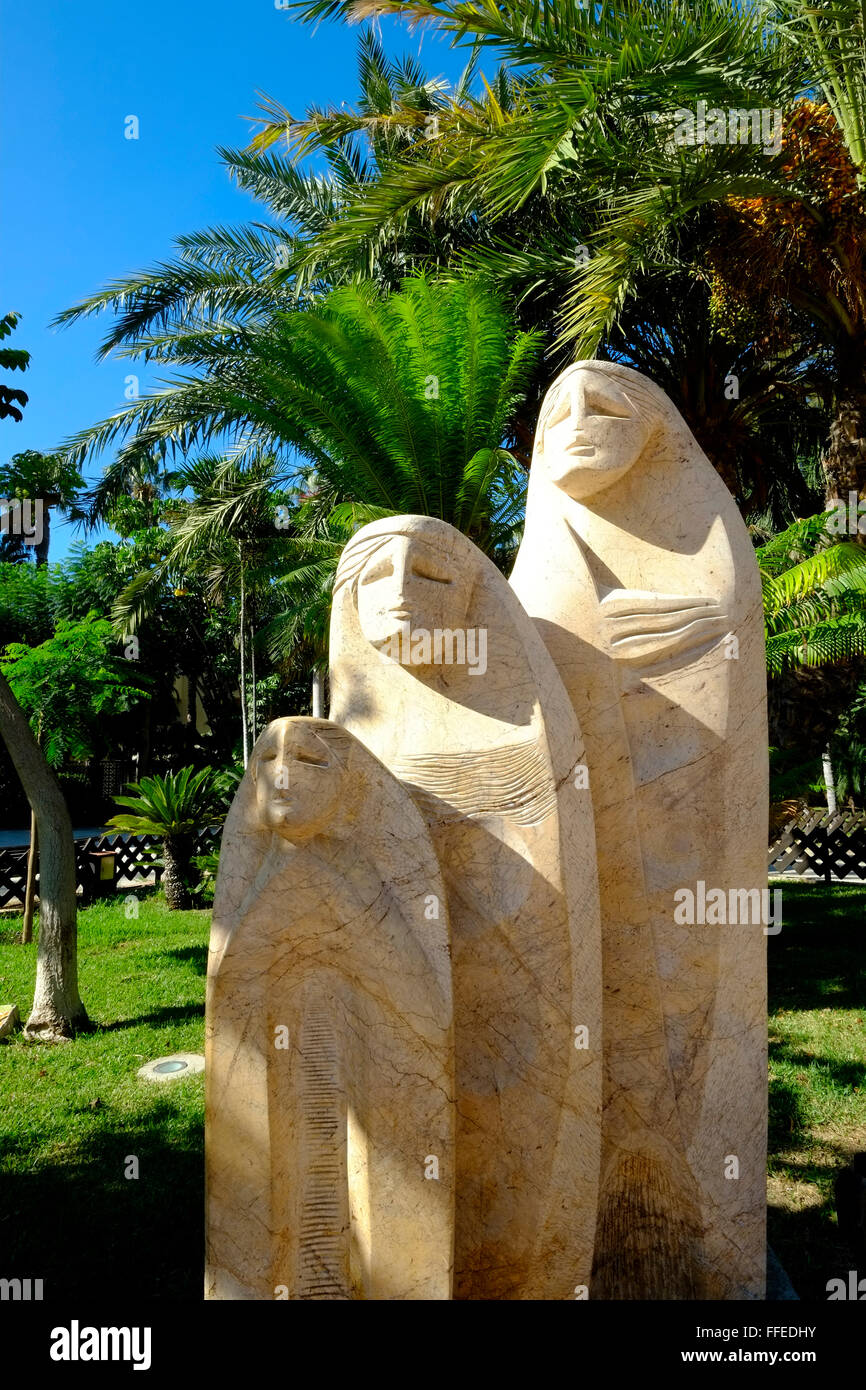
(196, 956)
(817, 962)
(787, 1119)
(807, 1239)
(174, 1013)
(818, 959)
(87, 1230)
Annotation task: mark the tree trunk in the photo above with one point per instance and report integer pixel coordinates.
(844, 461)
(243, 661)
(829, 781)
(318, 695)
(57, 1008)
(30, 890)
(40, 550)
(177, 855)
(253, 716)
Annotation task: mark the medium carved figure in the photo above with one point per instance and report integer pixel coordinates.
(642, 579)
(438, 670)
(330, 1053)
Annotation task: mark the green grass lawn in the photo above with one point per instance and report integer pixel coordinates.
(817, 977)
(71, 1114)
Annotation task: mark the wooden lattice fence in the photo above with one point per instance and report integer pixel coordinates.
(830, 846)
(133, 862)
(13, 876)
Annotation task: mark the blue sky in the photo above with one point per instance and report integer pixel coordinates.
(82, 205)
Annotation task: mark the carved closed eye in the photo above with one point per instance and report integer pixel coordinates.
(312, 759)
(423, 569)
(596, 402)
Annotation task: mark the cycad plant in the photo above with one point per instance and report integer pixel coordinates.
(401, 403)
(176, 808)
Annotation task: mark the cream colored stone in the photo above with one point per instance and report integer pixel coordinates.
(329, 1040)
(9, 1019)
(642, 579)
(491, 750)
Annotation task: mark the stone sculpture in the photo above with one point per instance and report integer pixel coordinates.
(330, 1054)
(439, 671)
(642, 579)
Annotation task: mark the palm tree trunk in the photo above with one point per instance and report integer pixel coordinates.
(57, 1008)
(177, 854)
(845, 458)
(30, 890)
(40, 551)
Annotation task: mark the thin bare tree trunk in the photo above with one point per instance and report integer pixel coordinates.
(30, 890)
(829, 782)
(253, 718)
(243, 660)
(57, 1008)
(318, 695)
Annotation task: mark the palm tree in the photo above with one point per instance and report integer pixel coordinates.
(176, 808)
(594, 104)
(48, 480)
(401, 403)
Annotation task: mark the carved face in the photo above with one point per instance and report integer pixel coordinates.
(410, 585)
(592, 434)
(298, 783)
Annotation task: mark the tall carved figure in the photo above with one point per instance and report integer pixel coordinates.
(642, 579)
(330, 1093)
(438, 670)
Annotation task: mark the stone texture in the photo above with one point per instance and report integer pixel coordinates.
(9, 1019)
(329, 1039)
(494, 759)
(641, 577)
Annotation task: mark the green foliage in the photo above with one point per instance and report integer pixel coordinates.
(401, 404)
(207, 866)
(49, 476)
(12, 359)
(27, 603)
(68, 684)
(814, 596)
(848, 751)
(177, 804)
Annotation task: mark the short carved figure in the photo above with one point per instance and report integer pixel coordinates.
(330, 1093)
